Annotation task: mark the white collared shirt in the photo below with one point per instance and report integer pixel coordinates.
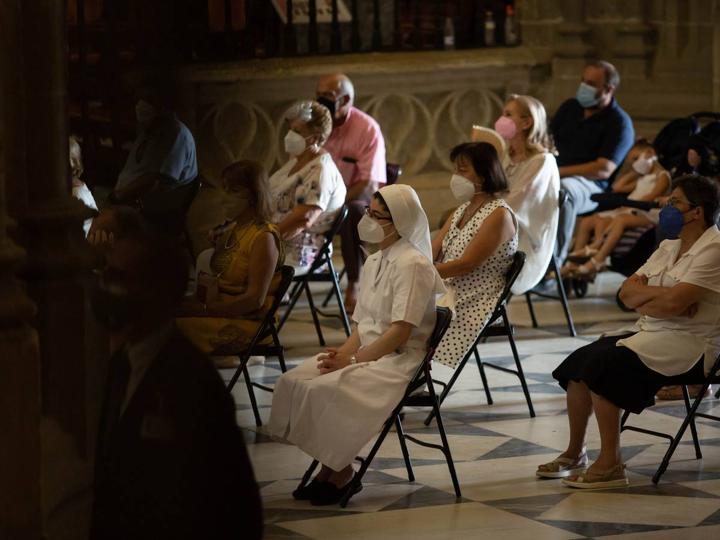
(672, 346)
(141, 356)
(397, 284)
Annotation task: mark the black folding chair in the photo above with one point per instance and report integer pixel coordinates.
(712, 378)
(393, 171)
(321, 270)
(498, 325)
(266, 329)
(562, 294)
(410, 399)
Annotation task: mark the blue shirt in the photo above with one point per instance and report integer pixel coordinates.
(606, 134)
(164, 147)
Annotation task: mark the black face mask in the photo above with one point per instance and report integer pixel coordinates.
(113, 309)
(329, 104)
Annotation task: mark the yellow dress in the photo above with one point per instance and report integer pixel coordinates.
(230, 263)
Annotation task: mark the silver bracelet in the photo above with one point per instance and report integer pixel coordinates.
(353, 360)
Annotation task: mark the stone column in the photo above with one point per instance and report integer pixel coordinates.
(20, 501)
(44, 464)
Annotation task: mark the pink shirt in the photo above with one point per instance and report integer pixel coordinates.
(358, 149)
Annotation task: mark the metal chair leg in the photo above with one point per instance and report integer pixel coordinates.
(481, 368)
(678, 437)
(316, 321)
(563, 297)
(403, 447)
(331, 292)
(518, 365)
(447, 387)
(446, 445)
(251, 393)
(294, 297)
(357, 478)
(693, 428)
(338, 295)
(308, 473)
(531, 309)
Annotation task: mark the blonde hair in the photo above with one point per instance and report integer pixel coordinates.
(76, 164)
(315, 116)
(536, 137)
(250, 175)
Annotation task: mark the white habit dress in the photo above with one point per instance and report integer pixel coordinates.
(332, 417)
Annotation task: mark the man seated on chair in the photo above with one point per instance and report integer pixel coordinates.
(162, 159)
(357, 146)
(592, 135)
(677, 292)
(170, 460)
(335, 402)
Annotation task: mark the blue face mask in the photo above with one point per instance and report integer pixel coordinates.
(671, 221)
(586, 96)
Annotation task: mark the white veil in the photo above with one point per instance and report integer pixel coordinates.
(410, 221)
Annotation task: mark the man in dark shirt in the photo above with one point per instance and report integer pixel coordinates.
(171, 462)
(592, 135)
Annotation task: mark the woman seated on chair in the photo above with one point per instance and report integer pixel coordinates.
(308, 191)
(475, 248)
(333, 404)
(533, 183)
(677, 292)
(243, 269)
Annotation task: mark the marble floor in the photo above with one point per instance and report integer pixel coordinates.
(496, 449)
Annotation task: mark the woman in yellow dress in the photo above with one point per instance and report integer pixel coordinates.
(245, 266)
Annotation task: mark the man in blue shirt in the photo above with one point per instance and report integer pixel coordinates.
(592, 135)
(162, 160)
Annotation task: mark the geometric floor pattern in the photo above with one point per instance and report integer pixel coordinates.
(496, 449)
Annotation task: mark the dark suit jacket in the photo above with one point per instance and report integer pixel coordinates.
(176, 466)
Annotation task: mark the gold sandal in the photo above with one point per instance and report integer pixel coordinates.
(562, 467)
(612, 478)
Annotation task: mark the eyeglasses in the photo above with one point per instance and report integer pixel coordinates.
(373, 214)
(675, 202)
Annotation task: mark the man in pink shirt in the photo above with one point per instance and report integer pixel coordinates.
(357, 146)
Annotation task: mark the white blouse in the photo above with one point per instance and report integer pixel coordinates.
(397, 284)
(672, 346)
(534, 188)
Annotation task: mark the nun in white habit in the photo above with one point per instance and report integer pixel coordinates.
(333, 404)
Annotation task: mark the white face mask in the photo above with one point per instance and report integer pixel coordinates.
(370, 230)
(144, 112)
(294, 143)
(462, 188)
(643, 165)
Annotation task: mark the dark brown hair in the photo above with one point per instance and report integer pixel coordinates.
(612, 77)
(485, 162)
(702, 192)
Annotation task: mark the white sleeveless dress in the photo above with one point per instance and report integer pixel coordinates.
(476, 293)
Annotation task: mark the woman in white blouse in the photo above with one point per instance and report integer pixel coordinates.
(677, 292)
(332, 405)
(533, 183)
(308, 190)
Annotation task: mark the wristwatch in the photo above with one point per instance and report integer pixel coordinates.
(353, 360)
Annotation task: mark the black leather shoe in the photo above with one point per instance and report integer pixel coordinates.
(328, 493)
(308, 491)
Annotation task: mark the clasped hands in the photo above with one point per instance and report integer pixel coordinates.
(332, 360)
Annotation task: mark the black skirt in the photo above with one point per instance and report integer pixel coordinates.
(618, 375)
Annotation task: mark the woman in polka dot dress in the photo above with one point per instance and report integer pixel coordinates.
(475, 248)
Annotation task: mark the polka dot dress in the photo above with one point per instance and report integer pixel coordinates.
(477, 293)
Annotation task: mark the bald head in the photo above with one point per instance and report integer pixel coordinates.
(336, 89)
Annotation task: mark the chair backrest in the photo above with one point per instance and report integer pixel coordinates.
(286, 276)
(512, 274)
(443, 317)
(393, 171)
(334, 230)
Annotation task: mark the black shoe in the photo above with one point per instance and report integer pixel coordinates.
(328, 493)
(308, 491)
